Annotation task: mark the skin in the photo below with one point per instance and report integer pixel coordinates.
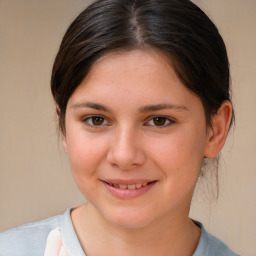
(128, 91)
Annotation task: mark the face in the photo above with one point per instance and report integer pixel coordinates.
(136, 138)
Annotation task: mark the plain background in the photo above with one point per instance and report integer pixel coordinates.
(35, 180)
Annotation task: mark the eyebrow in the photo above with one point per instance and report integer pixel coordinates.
(88, 104)
(143, 109)
(158, 107)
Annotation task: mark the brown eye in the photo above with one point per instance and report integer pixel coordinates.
(159, 121)
(96, 121)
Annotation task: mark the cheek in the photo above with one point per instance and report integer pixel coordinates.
(179, 158)
(180, 152)
(86, 153)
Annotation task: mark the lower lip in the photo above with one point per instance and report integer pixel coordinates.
(128, 193)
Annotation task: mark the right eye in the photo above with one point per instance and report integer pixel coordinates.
(96, 121)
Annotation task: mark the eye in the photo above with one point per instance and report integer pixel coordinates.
(96, 121)
(159, 121)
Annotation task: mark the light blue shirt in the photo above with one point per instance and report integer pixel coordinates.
(33, 239)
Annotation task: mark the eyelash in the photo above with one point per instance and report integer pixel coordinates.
(89, 121)
(167, 121)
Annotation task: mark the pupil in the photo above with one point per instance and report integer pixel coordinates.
(159, 121)
(97, 120)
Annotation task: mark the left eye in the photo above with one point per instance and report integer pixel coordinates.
(159, 121)
(96, 121)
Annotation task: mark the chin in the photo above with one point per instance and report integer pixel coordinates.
(128, 218)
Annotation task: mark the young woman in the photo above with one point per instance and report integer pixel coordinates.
(142, 96)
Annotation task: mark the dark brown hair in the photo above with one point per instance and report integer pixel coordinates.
(178, 28)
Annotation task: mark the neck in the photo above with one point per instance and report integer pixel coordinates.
(169, 236)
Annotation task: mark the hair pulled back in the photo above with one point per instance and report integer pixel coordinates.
(178, 28)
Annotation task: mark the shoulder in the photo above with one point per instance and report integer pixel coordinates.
(29, 239)
(210, 245)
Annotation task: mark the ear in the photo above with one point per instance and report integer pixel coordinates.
(218, 131)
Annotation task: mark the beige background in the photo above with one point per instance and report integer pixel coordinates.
(35, 179)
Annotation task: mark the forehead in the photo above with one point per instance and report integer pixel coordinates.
(138, 76)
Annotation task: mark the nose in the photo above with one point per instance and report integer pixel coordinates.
(126, 150)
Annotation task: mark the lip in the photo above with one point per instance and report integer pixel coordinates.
(128, 193)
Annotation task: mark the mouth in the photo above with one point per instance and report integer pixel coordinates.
(129, 186)
(128, 189)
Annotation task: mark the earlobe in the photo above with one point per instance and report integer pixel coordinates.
(219, 129)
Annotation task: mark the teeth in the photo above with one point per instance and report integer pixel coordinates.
(132, 186)
(138, 185)
(123, 186)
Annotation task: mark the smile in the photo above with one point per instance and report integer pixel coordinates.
(130, 186)
(128, 189)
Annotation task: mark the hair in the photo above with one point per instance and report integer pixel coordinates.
(178, 28)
